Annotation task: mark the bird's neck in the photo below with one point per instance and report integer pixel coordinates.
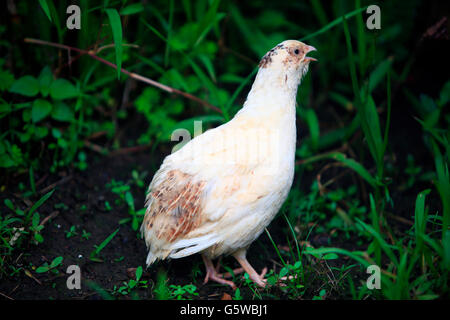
(270, 105)
(273, 92)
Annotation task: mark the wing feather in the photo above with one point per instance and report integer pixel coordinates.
(195, 187)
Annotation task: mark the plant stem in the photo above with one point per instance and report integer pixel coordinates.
(133, 75)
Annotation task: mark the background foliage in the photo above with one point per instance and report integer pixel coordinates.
(372, 159)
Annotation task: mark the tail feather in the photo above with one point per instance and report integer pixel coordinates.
(179, 249)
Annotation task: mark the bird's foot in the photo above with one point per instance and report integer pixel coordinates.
(217, 278)
(254, 276)
(259, 278)
(212, 274)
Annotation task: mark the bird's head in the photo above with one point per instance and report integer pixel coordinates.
(279, 75)
(288, 59)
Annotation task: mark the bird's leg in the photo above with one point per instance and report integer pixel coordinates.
(218, 264)
(227, 274)
(257, 278)
(211, 273)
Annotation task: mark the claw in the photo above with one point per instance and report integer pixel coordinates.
(212, 274)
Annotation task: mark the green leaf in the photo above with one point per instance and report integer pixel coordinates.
(132, 9)
(132, 283)
(6, 161)
(45, 79)
(40, 132)
(9, 204)
(44, 6)
(62, 112)
(130, 201)
(56, 133)
(42, 269)
(330, 256)
(116, 26)
(16, 154)
(61, 89)
(41, 109)
(38, 237)
(26, 116)
(6, 80)
(35, 220)
(26, 86)
(138, 273)
(56, 262)
(284, 271)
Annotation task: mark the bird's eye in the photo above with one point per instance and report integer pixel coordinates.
(297, 51)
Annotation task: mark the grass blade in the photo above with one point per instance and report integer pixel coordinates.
(443, 186)
(319, 12)
(356, 166)
(361, 36)
(420, 218)
(276, 247)
(313, 125)
(102, 245)
(333, 24)
(295, 238)
(206, 23)
(32, 182)
(116, 26)
(169, 35)
(389, 108)
(39, 203)
(44, 6)
(240, 88)
(351, 62)
(348, 162)
(384, 245)
(355, 255)
(378, 74)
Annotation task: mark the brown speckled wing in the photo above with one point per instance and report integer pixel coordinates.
(174, 206)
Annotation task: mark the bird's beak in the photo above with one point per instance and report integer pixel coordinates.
(309, 49)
